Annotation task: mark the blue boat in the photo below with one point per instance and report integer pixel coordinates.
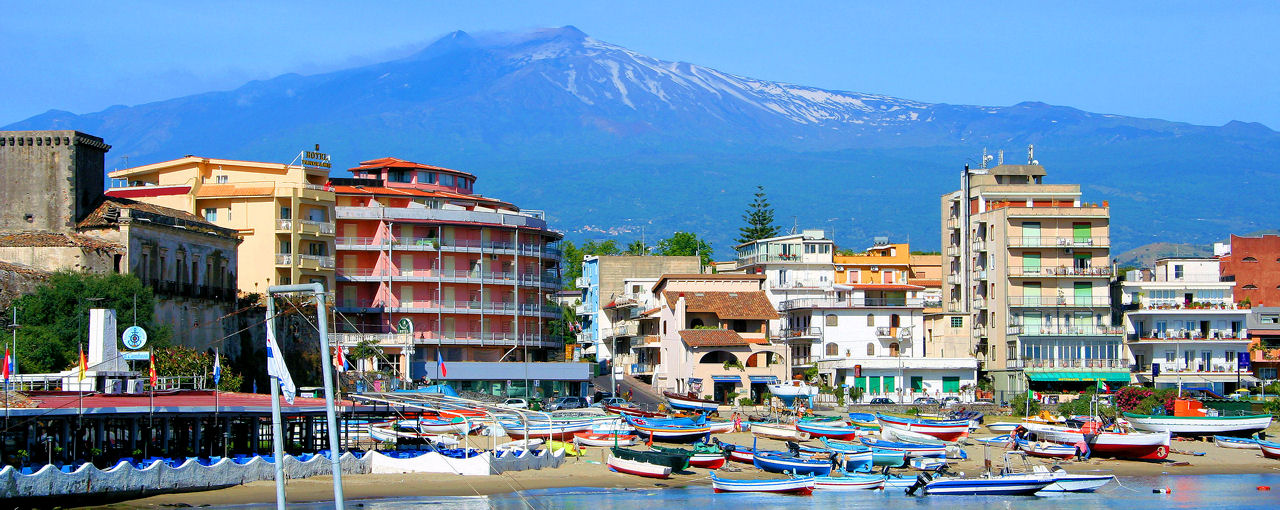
(833, 431)
(1008, 485)
(1246, 443)
(853, 460)
(879, 456)
(778, 462)
(669, 432)
(910, 449)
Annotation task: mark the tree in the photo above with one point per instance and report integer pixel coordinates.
(636, 248)
(55, 318)
(182, 361)
(366, 348)
(685, 244)
(759, 218)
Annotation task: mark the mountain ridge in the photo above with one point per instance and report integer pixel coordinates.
(554, 119)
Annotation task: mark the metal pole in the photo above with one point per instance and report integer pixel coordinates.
(277, 435)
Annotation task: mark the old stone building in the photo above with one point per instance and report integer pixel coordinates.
(49, 180)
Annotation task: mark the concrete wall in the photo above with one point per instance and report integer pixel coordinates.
(49, 180)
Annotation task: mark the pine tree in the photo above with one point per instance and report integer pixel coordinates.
(759, 218)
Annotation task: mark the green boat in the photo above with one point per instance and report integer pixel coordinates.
(678, 459)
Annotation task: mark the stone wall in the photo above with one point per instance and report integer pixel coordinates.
(49, 180)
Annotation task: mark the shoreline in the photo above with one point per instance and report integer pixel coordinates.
(589, 471)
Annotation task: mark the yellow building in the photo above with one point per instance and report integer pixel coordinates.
(282, 212)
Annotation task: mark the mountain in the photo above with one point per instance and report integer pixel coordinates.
(609, 142)
(1145, 256)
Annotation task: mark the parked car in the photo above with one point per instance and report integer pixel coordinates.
(926, 401)
(880, 401)
(950, 401)
(566, 403)
(600, 395)
(610, 401)
(517, 403)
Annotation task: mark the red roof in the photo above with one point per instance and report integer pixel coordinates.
(749, 305)
(716, 338)
(178, 401)
(389, 162)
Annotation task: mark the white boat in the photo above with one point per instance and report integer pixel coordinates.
(591, 439)
(1200, 425)
(1002, 427)
(1008, 485)
(907, 436)
(779, 431)
(720, 427)
(849, 482)
(802, 485)
(1242, 443)
(788, 391)
(430, 426)
(1069, 482)
(391, 435)
(638, 468)
(523, 444)
(1124, 445)
(926, 463)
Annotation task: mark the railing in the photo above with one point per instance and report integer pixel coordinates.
(1112, 364)
(496, 218)
(580, 282)
(811, 331)
(1171, 304)
(979, 331)
(1060, 301)
(765, 258)
(953, 250)
(979, 302)
(284, 224)
(1059, 242)
(1082, 330)
(893, 332)
(320, 227)
(284, 259)
(979, 244)
(933, 303)
(1180, 367)
(980, 274)
(1045, 271)
(391, 339)
(954, 279)
(500, 278)
(320, 261)
(1184, 334)
(623, 330)
(793, 304)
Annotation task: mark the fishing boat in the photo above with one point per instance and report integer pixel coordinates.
(801, 486)
(1062, 480)
(849, 482)
(879, 456)
(946, 430)
(707, 456)
(908, 449)
(850, 461)
(1046, 449)
(1200, 425)
(690, 402)
(635, 467)
(720, 427)
(1270, 450)
(555, 430)
(865, 420)
(737, 453)
(926, 463)
(677, 461)
(393, 435)
(1245, 443)
(1008, 485)
(1001, 440)
(779, 431)
(523, 444)
(569, 449)
(833, 431)
(633, 411)
(667, 431)
(907, 436)
(790, 390)
(1124, 445)
(457, 425)
(1002, 427)
(778, 462)
(595, 439)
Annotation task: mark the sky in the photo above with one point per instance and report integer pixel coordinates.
(1198, 62)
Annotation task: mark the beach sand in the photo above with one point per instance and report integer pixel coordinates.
(590, 471)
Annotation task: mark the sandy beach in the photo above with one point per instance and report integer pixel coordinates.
(589, 471)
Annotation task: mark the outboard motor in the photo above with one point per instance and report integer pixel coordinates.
(921, 480)
(793, 447)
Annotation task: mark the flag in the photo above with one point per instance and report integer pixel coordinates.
(441, 370)
(84, 364)
(275, 364)
(339, 359)
(153, 371)
(217, 369)
(8, 366)
(1102, 386)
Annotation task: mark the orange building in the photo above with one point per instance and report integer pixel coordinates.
(1254, 264)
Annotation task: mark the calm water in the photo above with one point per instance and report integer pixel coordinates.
(1218, 491)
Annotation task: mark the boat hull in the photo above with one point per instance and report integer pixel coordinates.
(799, 466)
(707, 460)
(589, 439)
(1270, 450)
(1002, 427)
(553, 432)
(638, 468)
(1077, 483)
(692, 404)
(801, 486)
(1200, 425)
(946, 430)
(781, 433)
(1235, 442)
(830, 431)
(907, 449)
(1000, 486)
(1138, 445)
(631, 411)
(850, 483)
(1047, 450)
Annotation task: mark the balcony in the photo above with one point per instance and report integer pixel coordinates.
(284, 225)
(784, 258)
(979, 331)
(892, 333)
(1081, 330)
(622, 330)
(795, 304)
(1059, 242)
(954, 279)
(980, 273)
(311, 227)
(1078, 364)
(581, 282)
(1181, 305)
(1059, 272)
(979, 244)
(953, 251)
(1177, 335)
(383, 339)
(284, 259)
(442, 215)
(953, 222)
(492, 338)
(979, 302)
(455, 276)
(810, 332)
(1068, 301)
(315, 262)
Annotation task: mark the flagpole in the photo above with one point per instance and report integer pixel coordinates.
(277, 435)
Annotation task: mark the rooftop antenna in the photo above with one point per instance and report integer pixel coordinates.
(985, 158)
(1031, 155)
(1001, 160)
(795, 224)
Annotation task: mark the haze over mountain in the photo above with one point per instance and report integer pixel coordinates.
(608, 141)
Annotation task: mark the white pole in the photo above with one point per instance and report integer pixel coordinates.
(277, 437)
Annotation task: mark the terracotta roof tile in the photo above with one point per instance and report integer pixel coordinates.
(716, 338)
(100, 218)
(390, 162)
(54, 239)
(21, 269)
(751, 305)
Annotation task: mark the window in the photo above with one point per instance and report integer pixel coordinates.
(1248, 259)
(221, 179)
(833, 350)
(831, 319)
(871, 349)
(426, 177)
(285, 213)
(285, 247)
(399, 176)
(957, 322)
(1177, 271)
(446, 180)
(1230, 357)
(871, 319)
(210, 215)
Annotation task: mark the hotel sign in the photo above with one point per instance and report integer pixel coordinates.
(315, 159)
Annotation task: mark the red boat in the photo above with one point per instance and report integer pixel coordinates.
(632, 411)
(707, 460)
(1123, 445)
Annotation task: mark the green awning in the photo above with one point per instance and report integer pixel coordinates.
(1079, 376)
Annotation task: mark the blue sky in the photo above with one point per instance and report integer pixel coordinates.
(1199, 62)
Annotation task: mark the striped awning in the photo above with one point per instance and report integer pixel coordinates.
(695, 380)
(767, 379)
(727, 378)
(1118, 377)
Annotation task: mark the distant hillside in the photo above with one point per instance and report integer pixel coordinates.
(609, 141)
(1145, 256)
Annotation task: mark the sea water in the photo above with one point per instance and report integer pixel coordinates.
(1131, 493)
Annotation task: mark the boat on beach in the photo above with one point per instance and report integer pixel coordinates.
(633, 411)
(1046, 450)
(668, 431)
(1200, 425)
(830, 430)
(801, 486)
(1270, 450)
(778, 462)
(946, 430)
(737, 453)
(391, 434)
(702, 455)
(554, 430)
(1008, 485)
(1102, 443)
(638, 468)
(523, 444)
(879, 456)
(1243, 443)
(779, 431)
(908, 449)
(1002, 427)
(595, 439)
(907, 436)
(690, 402)
(866, 421)
(788, 391)
(849, 482)
(677, 461)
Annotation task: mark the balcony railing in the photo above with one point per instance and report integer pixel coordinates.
(794, 304)
(1182, 368)
(1059, 242)
(477, 217)
(1183, 334)
(1060, 301)
(1170, 304)
(1082, 330)
(284, 224)
(800, 332)
(1095, 364)
(462, 276)
(979, 302)
(1059, 271)
(284, 259)
(980, 273)
(892, 332)
(954, 279)
(316, 261)
(622, 330)
(315, 227)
